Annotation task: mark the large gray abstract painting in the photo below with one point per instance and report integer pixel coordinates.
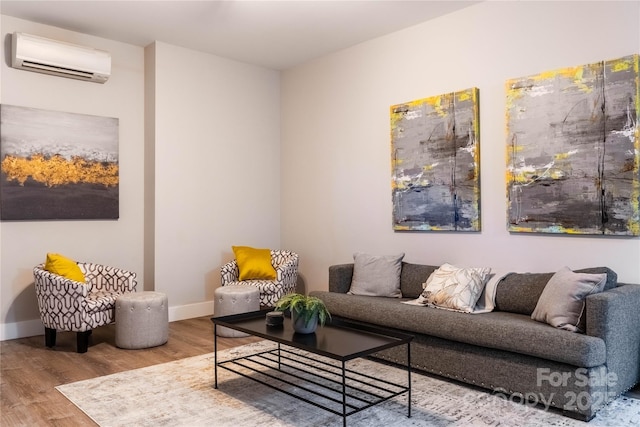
(435, 151)
(573, 150)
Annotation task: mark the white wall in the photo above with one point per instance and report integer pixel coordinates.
(235, 154)
(24, 244)
(199, 172)
(217, 169)
(336, 168)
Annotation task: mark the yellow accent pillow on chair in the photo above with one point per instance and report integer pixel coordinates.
(63, 266)
(254, 264)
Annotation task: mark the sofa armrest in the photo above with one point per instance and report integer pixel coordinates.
(287, 274)
(340, 278)
(613, 315)
(106, 278)
(55, 293)
(54, 287)
(229, 273)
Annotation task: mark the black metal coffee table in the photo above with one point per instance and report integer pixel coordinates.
(317, 375)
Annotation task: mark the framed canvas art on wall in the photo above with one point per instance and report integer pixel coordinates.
(435, 149)
(57, 165)
(573, 150)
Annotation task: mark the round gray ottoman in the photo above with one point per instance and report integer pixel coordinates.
(234, 299)
(142, 320)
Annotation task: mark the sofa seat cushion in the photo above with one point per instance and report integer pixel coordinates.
(499, 330)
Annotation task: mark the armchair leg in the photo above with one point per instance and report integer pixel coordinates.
(49, 337)
(83, 341)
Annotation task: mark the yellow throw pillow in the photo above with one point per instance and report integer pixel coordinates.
(63, 266)
(254, 264)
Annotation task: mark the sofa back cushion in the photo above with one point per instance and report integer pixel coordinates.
(519, 292)
(412, 277)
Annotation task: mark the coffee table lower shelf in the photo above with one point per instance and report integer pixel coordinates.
(317, 380)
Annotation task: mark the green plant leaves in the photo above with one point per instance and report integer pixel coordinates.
(306, 306)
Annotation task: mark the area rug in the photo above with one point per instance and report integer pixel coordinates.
(182, 393)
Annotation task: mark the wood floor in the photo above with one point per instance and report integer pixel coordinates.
(30, 371)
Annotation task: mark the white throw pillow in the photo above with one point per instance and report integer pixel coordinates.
(376, 275)
(454, 287)
(561, 303)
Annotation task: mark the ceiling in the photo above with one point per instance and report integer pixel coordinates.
(268, 33)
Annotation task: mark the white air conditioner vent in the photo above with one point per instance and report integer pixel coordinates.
(42, 55)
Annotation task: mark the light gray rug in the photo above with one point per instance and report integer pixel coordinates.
(181, 393)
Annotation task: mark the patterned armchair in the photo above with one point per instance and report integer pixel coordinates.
(286, 265)
(67, 305)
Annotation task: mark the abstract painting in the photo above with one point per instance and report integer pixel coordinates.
(435, 151)
(573, 150)
(57, 165)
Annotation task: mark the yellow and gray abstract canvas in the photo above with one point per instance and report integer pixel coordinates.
(57, 165)
(435, 151)
(573, 150)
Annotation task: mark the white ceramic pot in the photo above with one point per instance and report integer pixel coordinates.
(302, 327)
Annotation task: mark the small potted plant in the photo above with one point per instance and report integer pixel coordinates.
(306, 312)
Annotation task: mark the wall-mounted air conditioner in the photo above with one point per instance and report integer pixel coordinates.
(48, 56)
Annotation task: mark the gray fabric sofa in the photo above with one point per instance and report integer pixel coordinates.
(505, 350)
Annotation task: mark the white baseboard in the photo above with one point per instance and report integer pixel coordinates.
(189, 311)
(30, 328)
(27, 328)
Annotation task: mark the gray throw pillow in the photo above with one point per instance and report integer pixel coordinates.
(562, 301)
(376, 275)
(520, 292)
